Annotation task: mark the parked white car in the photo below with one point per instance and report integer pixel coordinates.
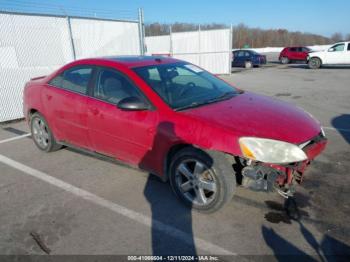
(337, 54)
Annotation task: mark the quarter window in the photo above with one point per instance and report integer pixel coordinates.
(112, 86)
(75, 79)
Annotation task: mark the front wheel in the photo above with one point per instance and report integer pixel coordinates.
(315, 63)
(204, 181)
(42, 135)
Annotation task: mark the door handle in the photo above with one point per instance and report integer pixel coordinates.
(94, 111)
(151, 130)
(49, 97)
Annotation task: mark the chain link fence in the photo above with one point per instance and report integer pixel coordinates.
(209, 49)
(34, 44)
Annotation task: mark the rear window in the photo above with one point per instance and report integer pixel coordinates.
(75, 79)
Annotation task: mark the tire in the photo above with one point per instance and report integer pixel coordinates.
(284, 60)
(204, 181)
(315, 63)
(248, 64)
(42, 135)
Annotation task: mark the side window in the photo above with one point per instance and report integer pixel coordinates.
(112, 86)
(338, 48)
(240, 54)
(75, 79)
(349, 47)
(293, 49)
(247, 54)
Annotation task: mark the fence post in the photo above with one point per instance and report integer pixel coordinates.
(171, 41)
(71, 38)
(230, 47)
(141, 32)
(199, 45)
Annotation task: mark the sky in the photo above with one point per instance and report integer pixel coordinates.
(323, 17)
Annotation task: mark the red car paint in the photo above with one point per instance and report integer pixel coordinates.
(145, 138)
(295, 53)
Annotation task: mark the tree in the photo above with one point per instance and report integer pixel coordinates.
(337, 37)
(244, 35)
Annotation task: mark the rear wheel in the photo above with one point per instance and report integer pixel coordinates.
(204, 181)
(248, 64)
(284, 60)
(42, 135)
(315, 63)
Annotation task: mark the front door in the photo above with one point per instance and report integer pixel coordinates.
(336, 54)
(125, 135)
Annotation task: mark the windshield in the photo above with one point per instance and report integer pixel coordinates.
(183, 85)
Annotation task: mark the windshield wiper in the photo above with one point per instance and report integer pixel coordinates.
(192, 105)
(224, 96)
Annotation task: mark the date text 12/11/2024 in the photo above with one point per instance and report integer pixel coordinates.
(173, 258)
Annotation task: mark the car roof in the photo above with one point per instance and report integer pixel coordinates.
(139, 61)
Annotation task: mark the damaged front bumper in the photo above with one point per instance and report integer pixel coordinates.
(282, 178)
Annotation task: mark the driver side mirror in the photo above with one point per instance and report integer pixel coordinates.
(133, 103)
(331, 49)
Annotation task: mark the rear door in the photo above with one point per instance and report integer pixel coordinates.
(125, 135)
(235, 59)
(293, 53)
(240, 58)
(65, 101)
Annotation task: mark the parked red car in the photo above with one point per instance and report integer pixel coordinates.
(294, 54)
(177, 121)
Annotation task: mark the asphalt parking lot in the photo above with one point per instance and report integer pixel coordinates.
(79, 204)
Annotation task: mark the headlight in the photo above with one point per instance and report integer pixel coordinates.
(270, 151)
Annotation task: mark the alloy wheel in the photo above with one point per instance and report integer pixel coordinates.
(196, 182)
(40, 132)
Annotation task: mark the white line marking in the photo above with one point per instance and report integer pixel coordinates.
(336, 129)
(133, 215)
(14, 138)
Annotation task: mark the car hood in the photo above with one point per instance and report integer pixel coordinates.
(255, 115)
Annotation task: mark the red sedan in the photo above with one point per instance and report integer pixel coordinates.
(176, 121)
